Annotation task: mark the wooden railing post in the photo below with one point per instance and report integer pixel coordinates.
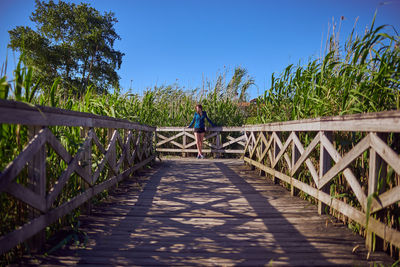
(295, 156)
(377, 171)
(325, 163)
(218, 145)
(154, 146)
(275, 153)
(246, 148)
(37, 182)
(87, 166)
(262, 161)
(252, 167)
(42, 201)
(184, 155)
(113, 154)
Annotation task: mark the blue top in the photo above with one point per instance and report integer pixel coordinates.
(199, 120)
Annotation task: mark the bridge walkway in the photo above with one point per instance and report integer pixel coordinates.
(209, 212)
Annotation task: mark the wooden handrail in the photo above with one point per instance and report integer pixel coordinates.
(263, 146)
(213, 139)
(278, 149)
(14, 112)
(122, 148)
(386, 121)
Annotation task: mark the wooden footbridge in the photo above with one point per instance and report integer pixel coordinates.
(246, 209)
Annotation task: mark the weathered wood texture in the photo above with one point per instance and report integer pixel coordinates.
(209, 213)
(268, 148)
(134, 150)
(216, 140)
(265, 149)
(13, 112)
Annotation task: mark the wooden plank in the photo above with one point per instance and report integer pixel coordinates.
(348, 174)
(204, 141)
(131, 228)
(212, 129)
(190, 135)
(325, 163)
(97, 142)
(14, 167)
(13, 112)
(170, 139)
(295, 157)
(64, 177)
(386, 199)
(232, 141)
(12, 239)
(243, 144)
(282, 149)
(127, 147)
(388, 121)
(184, 139)
(137, 147)
(26, 195)
(304, 153)
(267, 146)
(234, 151)
(377, 172)
(63, 153)
(280, 145)
(247, 148)
(172, 142)
(255, 144)
(386, 152)
(382, 230)
(346, 160)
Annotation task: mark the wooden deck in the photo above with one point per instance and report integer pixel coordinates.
(210, 212)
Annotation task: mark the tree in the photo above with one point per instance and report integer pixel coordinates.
(74, 42)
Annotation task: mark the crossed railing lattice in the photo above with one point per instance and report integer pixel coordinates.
(267, 150)
(113, 149)
(124, 148)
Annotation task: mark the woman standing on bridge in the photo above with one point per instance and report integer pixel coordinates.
(199, 128)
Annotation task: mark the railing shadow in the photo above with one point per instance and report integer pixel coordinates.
(254, 201)
(184, 216)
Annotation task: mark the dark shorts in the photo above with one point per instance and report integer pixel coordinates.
(199, 130)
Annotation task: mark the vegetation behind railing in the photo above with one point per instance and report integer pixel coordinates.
(349, 165)
(55, 160)
(359, 75)
(217, 140)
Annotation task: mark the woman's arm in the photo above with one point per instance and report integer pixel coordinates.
(212, 124)
(191, 124)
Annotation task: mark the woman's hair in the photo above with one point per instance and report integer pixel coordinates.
(201, 107)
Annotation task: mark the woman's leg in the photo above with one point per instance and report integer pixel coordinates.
(197, 135)
(201, 136)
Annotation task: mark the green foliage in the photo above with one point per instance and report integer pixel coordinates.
(74, 42)
(365, 79)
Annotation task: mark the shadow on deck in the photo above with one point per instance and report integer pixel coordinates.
(210, 212)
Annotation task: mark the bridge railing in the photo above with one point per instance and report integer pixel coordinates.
(216, 140)
(350, 164)
(57, 160)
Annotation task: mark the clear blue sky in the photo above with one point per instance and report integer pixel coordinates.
(168, 41)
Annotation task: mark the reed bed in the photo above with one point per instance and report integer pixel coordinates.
(363, 75)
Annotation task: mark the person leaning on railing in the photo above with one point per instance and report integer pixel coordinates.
(199, 128)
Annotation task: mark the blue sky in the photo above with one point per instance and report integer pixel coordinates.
(182, 41)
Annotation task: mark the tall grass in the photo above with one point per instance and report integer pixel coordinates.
(363, 75)
(360, 76)
(161, 106)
